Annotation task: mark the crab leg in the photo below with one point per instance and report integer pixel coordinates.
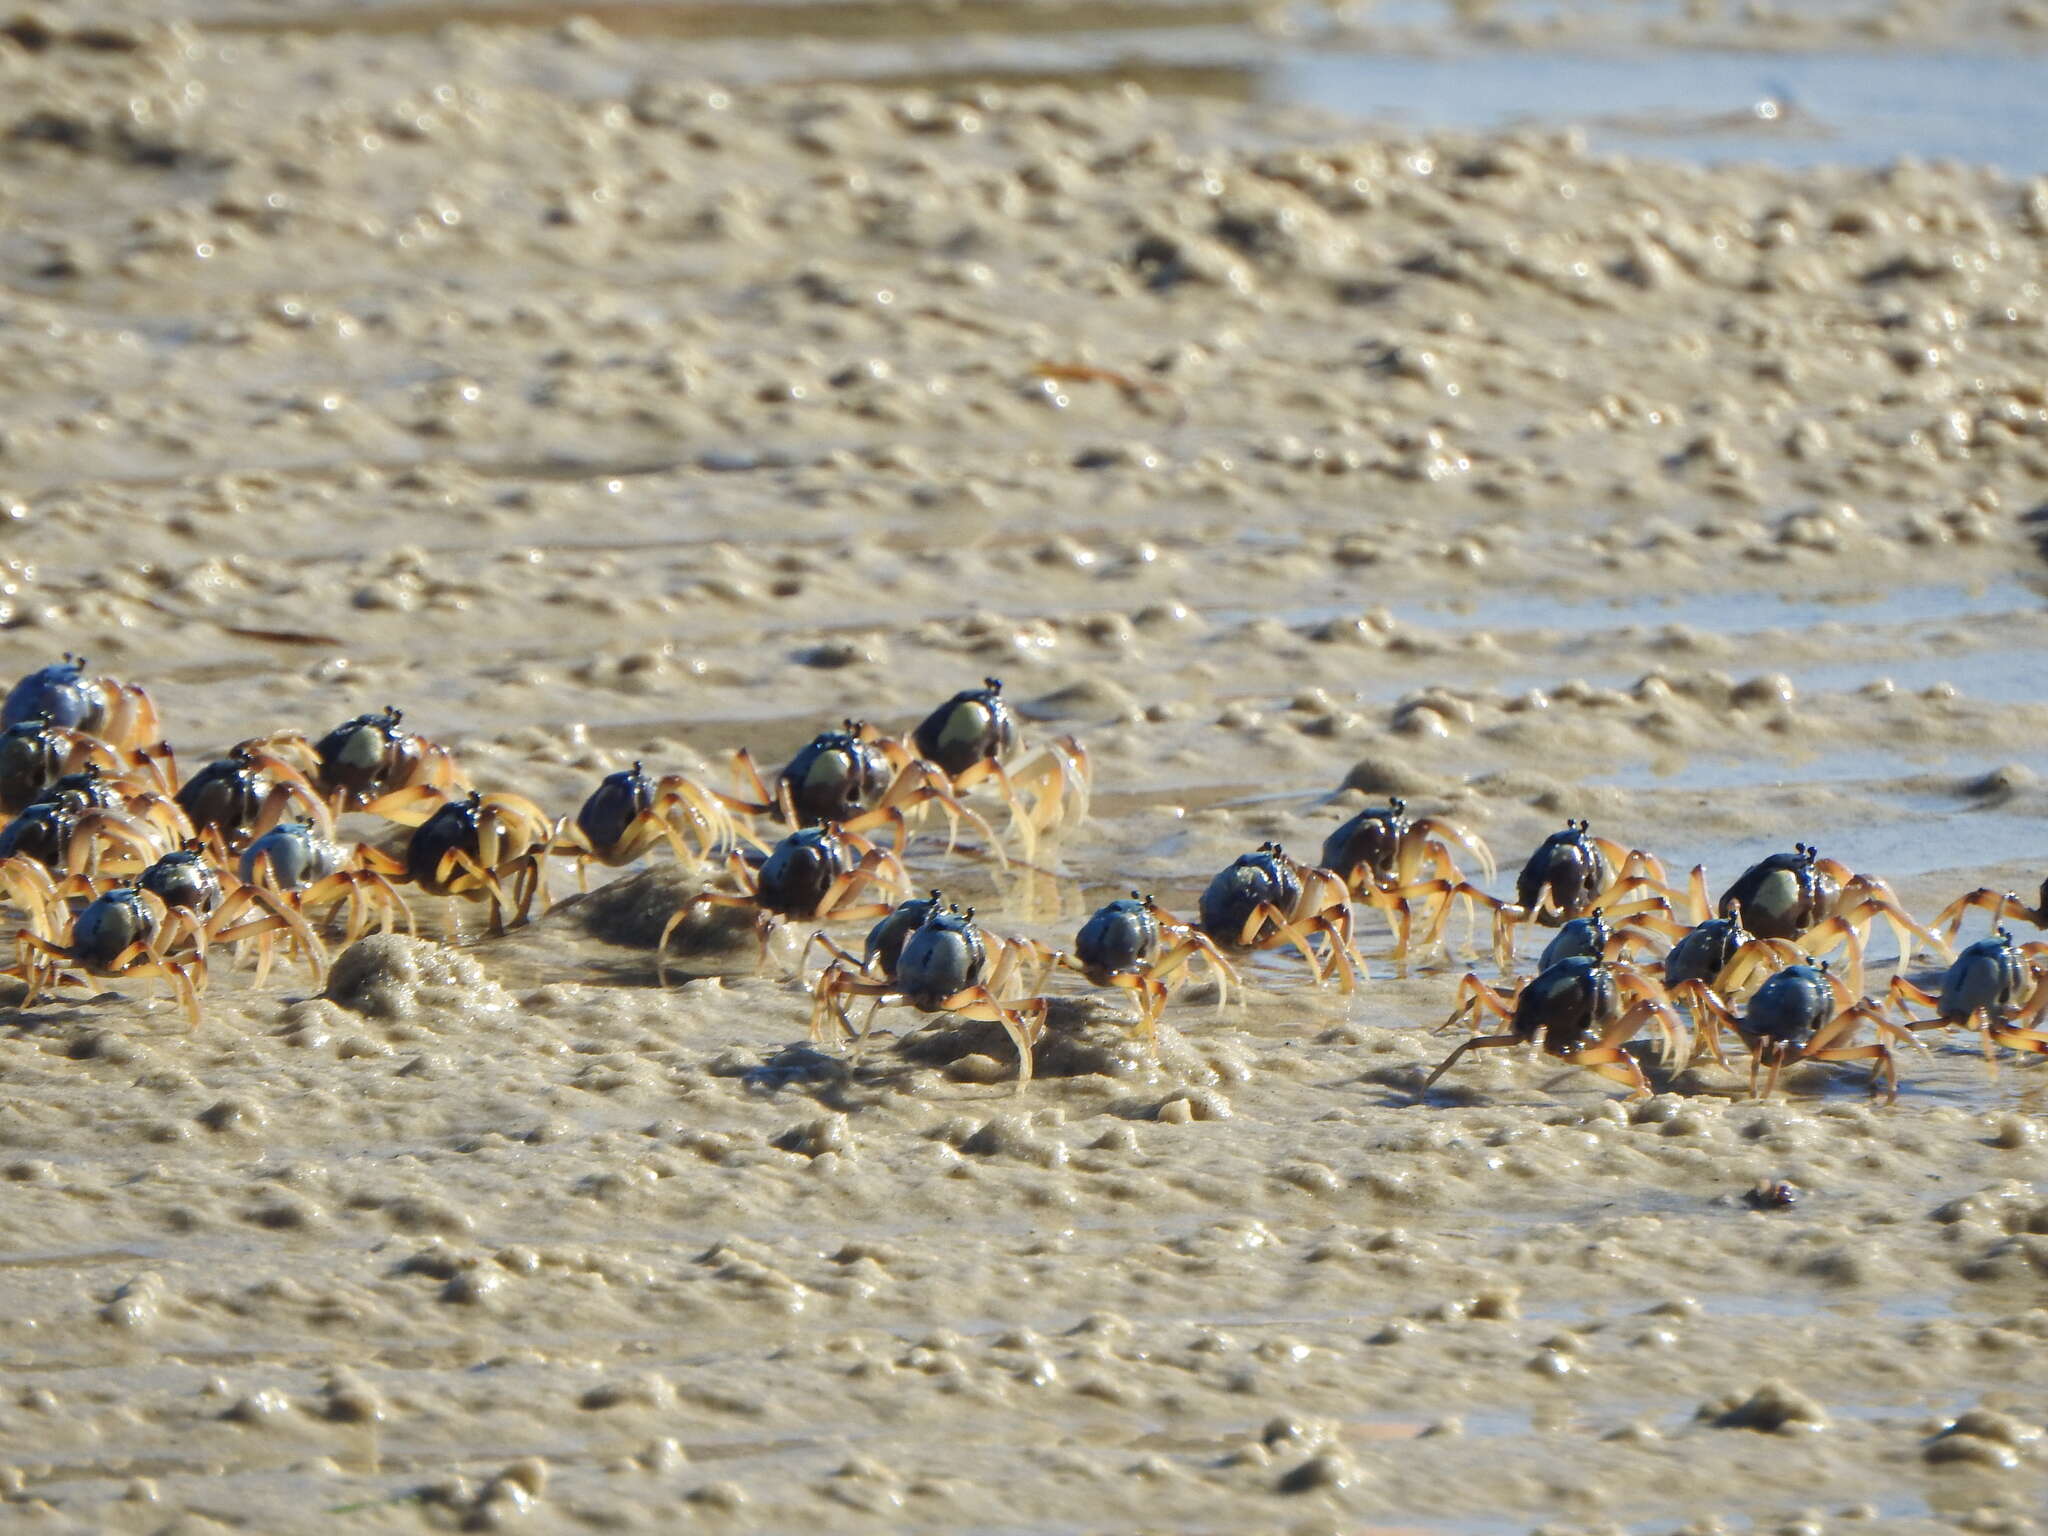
(2000, 904)
(978, 1003)
(1886, 1071)
(681, 914)
(1450, 892)
(1474, 1043)
(835, 953)
(1766, 955)
(1450, 832)
(1902, 992)
(1815, 942)
(1642, 928)
(410, 807)
(1191, 945)
(2016, 1039)
(1283, 934)
(1475, 996)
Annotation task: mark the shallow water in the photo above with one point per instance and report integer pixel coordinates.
(1785, 109)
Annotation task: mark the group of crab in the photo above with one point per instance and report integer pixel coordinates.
(122, 867)
(1752, 965)
(1630, 950)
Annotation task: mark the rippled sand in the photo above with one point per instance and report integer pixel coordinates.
(592, 414)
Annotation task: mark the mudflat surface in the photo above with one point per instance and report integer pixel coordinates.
(592, 411)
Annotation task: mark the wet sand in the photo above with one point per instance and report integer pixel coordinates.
(594, 412)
